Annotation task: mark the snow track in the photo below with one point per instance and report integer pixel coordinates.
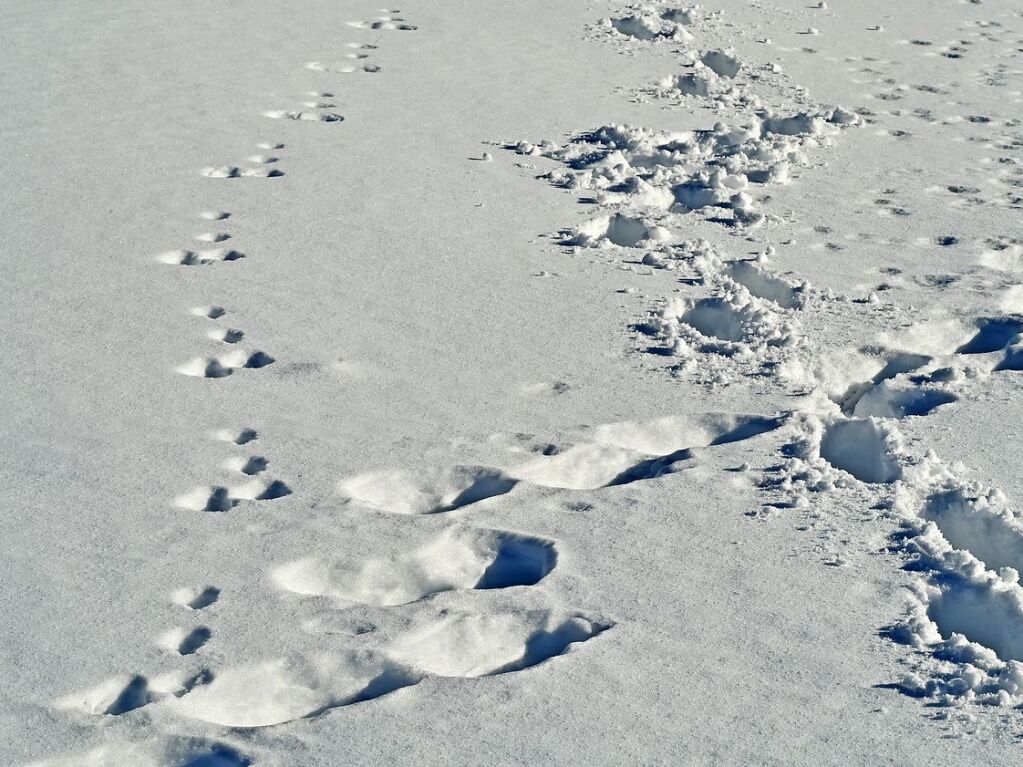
(823, 327)
(748, 321)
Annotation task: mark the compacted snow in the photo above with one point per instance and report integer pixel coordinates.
(500, 384)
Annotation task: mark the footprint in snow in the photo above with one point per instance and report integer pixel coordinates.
(258, 169)
(182, 641)
(225, 365)
(460, 558)
(127, 692)
(257, 486)
(220, 498)
(343, 68)
(452, 643)
(233, 171)
(622, 453)
(304, 116)
(200, 257)
(198, 598)
(389, 22)
(237, 437)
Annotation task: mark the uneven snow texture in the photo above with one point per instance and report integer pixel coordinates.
(490, 384)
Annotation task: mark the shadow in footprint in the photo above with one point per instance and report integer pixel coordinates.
(275, 489)
(884, 402)
(992, 336)
(894, 367)
(259, 360)
(545, 645)
(747, 429)
(201, 599)
(651, 468)
(243, 437)
(388, 681)
(135, 695)
(659, 465)
(194, 640)
(219, 500)
(483, 486)
(218, 756)
(519, 562)
(254, 465)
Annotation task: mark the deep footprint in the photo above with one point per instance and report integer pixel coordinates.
(859, 448)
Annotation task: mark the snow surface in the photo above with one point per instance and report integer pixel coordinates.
(498, 384)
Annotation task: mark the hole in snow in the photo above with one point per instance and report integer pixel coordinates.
(858, 447)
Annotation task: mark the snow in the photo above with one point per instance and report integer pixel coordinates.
(511, 384)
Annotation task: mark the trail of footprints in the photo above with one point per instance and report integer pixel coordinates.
(319, 105)
(455, 595)
(316, 110)
(391, 21)
(121, 695)
(966, 612)
(250, 469)
(452, 634)
(966, 608)
(205, 257)
(223, 364)
(963, 536)
(261, 165)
